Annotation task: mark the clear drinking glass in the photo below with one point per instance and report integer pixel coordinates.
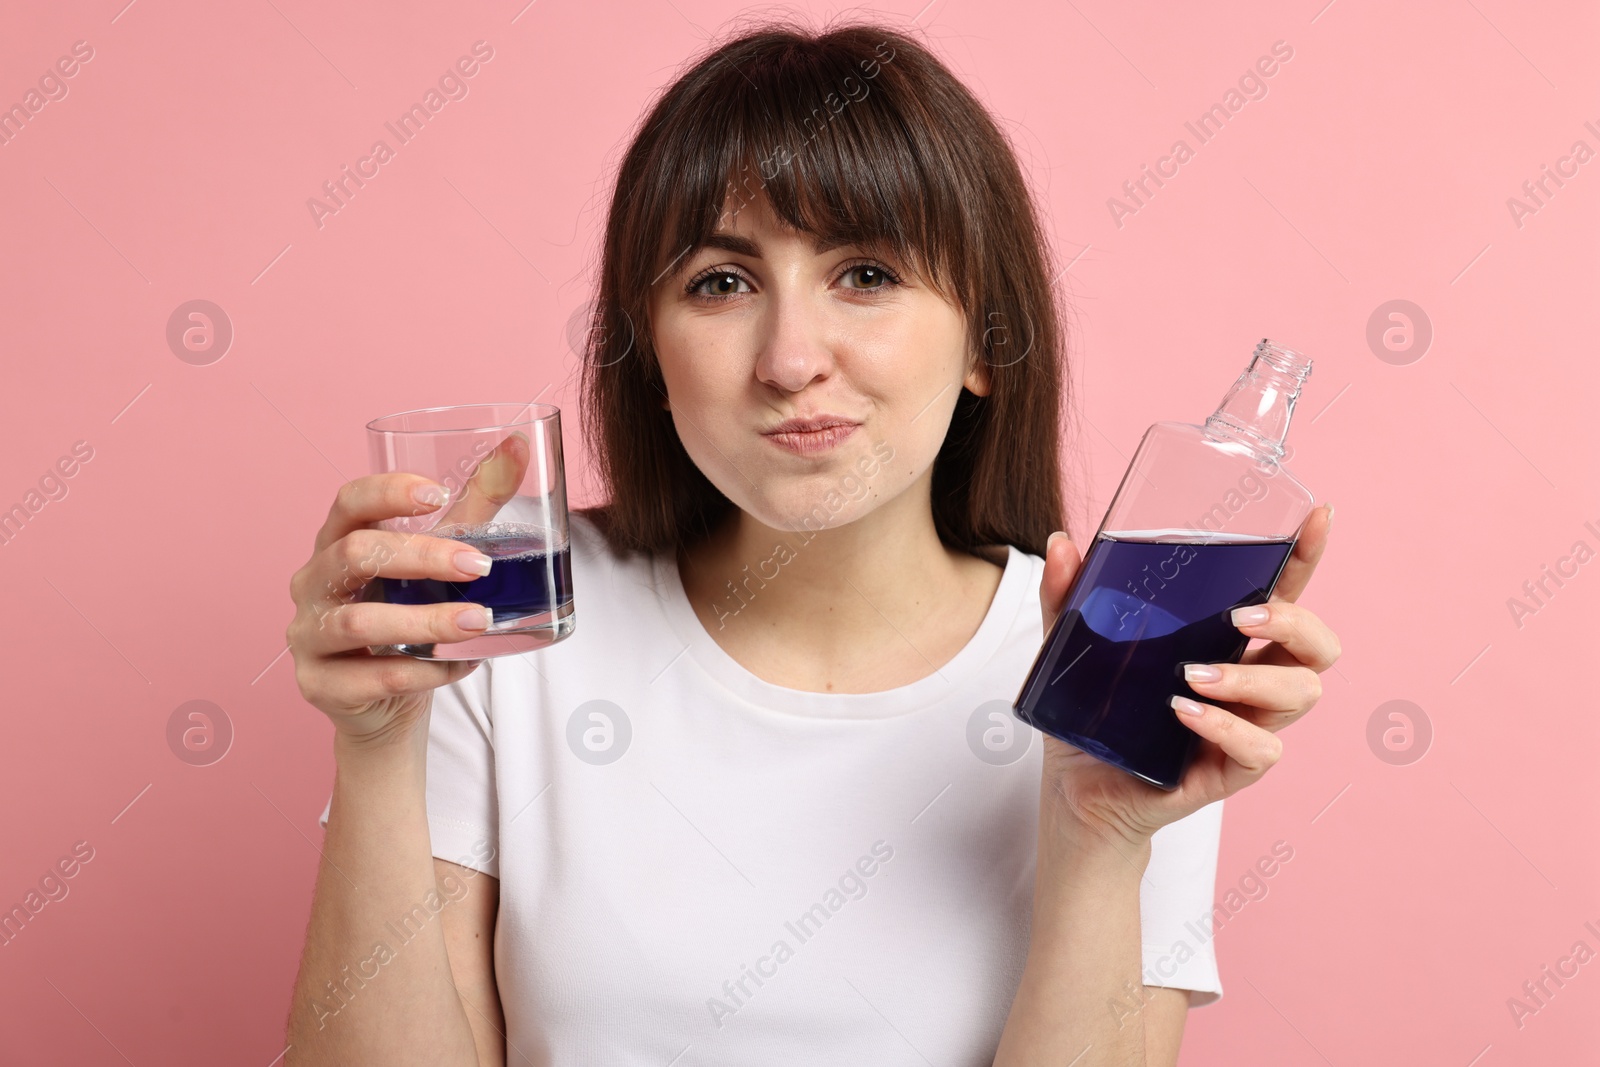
(501, 464)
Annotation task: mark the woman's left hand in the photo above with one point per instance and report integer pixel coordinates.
(1238, 724)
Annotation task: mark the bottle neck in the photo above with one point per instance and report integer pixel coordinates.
(1257, 410)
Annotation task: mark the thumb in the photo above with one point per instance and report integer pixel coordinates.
(1061, 563)
(500, 475)
(495, 480)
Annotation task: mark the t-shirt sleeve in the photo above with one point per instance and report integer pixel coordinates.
(1175, 902)
(463, 801)
(463, 810)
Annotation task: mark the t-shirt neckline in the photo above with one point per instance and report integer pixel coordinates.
(948, 679)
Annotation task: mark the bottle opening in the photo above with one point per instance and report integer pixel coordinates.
(1257, 410)
(1284, 359)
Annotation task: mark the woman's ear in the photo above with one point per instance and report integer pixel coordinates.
(977, 380)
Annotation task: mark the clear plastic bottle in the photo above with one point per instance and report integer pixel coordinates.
(1203, 522)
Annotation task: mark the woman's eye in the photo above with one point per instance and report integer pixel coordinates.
(718, 285)
(726, 284)
(873, 277)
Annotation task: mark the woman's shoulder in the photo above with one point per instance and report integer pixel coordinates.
(597, 557)
(1029, 567)
(1014, 606)
(590, 529)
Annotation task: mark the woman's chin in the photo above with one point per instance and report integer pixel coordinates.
(809, 514)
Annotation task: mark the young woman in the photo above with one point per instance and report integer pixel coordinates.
(753, 810)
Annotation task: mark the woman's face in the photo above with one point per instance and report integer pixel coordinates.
(810, 386)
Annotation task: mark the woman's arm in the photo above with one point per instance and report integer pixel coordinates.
(1082, 994)
(375, 982)
(1166, 1010)
(469, 938)
(376, 978)
(1084, 957)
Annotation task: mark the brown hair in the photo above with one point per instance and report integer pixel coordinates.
(857, 134)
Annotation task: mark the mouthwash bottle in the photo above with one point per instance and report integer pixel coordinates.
(1203, 522)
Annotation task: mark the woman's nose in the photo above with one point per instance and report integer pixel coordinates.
(794, 339)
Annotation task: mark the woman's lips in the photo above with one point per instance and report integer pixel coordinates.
(808, 438)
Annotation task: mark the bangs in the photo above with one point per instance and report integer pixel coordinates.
(827, 142)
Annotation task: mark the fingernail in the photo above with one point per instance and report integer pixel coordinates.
(473, 562)
(1330, 516)
(1187, 706)
(1200, 672)
(475, 618)
(1051, 540)
(1250, 616)
(430, 496)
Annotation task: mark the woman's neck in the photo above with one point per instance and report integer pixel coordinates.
(871, 605)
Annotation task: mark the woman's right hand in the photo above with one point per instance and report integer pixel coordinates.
(376, 698)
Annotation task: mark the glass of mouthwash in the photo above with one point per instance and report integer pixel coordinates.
(502, 468)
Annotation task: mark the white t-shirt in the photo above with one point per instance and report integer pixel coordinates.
(699, 867)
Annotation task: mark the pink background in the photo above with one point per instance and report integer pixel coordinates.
(1420, 896)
